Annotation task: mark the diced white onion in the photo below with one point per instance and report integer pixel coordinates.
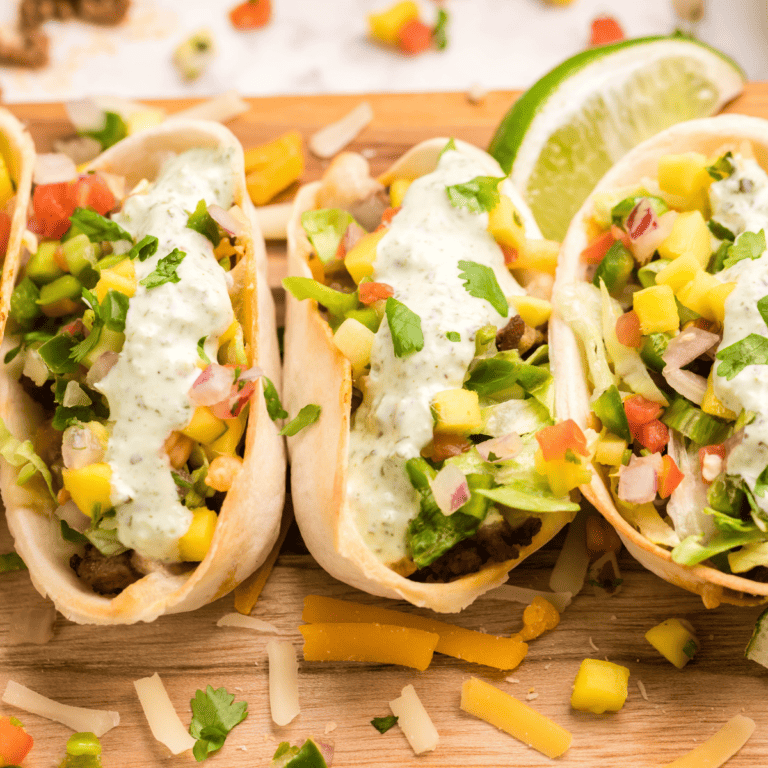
(79, 719)
(74, 395)
(85, 115)
(273, 220)
(35, 367)
(221, 108)
(415, 723)
(225, 220)
(32, 626)
(247, 622)
(638, 482)
(163, 719)
(687, 383)
(334, 137)
(82, 149)
(450, 489)
(570, 570)
(514, 594)
(53, 168)
(283, 681)
(115, 184)
(254, 373)
(503, 448)
(213, 385)
(80, 447)
(688, 345)
(101, 367)
(711, 467)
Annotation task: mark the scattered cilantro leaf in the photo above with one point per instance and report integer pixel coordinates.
(453, 336)
(145, 248)
(165, 271)
(719, 231)
(11, 562)
(97, 227)
(478, 195)
(214, 715)
(68, 533)
(449, 147)
(722, 168)
(274, 406)
(309, 414)
(11, 354)
(201, 221)
(57, 351)
(440, 32)
(383, 724)
(201, 350)
(114, 129)
(748, 245)
(761, 484)
(480, 281)
(64, 417)
(751, 350)
(689, 649)
(405, 327)
(762, 308)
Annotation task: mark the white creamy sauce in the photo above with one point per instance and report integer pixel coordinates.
(740, 202)
(419, 258)
(147, 388)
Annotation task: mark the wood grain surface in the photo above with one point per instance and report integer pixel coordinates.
(95, 666)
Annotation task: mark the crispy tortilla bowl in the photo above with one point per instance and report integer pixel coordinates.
(249, 519)
(316, 372)
(572, 391)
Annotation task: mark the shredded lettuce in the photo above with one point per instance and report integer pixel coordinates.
(22, 454)
(519, 495)
(646, 518)
(520, 416)
(325, 228)
(691, 550)
(690, 497)
(748, 557)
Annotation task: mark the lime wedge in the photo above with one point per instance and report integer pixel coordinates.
(566, 131)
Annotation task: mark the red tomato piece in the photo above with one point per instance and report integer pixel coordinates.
(510, 254)
(53, 204)
(442, 447)
(414, 37)
(595, 252)
(389, 214)
(554, 441)
(5, 232)
(370, 292)
(654, 435)
(640, 411)
(669, 477)
(15, 742)
(619, 234)
(91, 191)
(605, 29)
(252, 14)
(628, 330)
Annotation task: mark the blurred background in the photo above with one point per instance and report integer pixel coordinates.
(324, 47)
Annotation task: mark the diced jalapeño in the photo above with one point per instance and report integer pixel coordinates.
(615, 269)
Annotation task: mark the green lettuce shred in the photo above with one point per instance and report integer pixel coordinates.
(22, 454)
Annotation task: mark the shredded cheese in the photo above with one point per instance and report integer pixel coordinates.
(515, 718)
(570, 570)
(560, 600)
(593, 646)
(641, 687)
(415, 723)
(283, 681)
(247, 622)
(720, 748)
(333, 138)
(221, 108)
(79, 719)
(163, 719)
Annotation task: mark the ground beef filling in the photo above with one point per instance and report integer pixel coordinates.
(105, 575)
(493, 543)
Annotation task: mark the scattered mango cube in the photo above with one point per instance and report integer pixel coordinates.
(610, 450)
(6, 183)
(89, 486)
(689, 235)
(717, 296)
(540, 255)
(696, 294)
(359, 259)
(397, 190)
(505, 225)
(534, 311)
(562, 475)
(601, 686)
(679, 272)
(656, 309)
(686, 175)
(272, 167)
(121, 278)
(195, 543)
(355, 342)
(456, 412)
(711, 405)
(675, 640)
(204, 426)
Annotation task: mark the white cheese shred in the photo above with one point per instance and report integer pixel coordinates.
(247, 622)
(720, 748)
(273, 220)
(593, 646)
(560, 600)
(414, 721)
(641, 688)
(333, 138)
(570, 570)
(221, 108)
(163, 719)
(79, 719)
(283, 681)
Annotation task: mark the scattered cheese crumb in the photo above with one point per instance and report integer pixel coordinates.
(592, 644)
(243, 748)
(238, 688)
(613, 618)
(531, 690)
(369, 152)
(330, 727)
(476, 94)
(531, 696)
(547, 666)
(643, 692)
(511, 679)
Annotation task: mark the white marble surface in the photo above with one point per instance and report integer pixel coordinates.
(321, 47)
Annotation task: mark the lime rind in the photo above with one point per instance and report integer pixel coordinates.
(757, 648)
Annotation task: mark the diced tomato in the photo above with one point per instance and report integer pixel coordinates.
(510, 254)
(620, 235)
(91, 191)
(370, 292)
(251, 14)
(556, 440)
(442, 447)
(389, 214)
(640, 411)
(710, 450)
(15, 742)
(669, 477)
(5, 232)
(414, 37)
(628, 330)
(595, 252)
(53, 204)
(605, 29)
(654, 435)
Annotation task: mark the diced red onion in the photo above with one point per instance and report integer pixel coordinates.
(80, 447)
(450, 489)
(54, 168)
(686, 383)
(648, 231)
(230, 407)
(503, 448)
(85, 115)
(351, 236)
(641, 220)
(689, 344)
(101, 367)
(638, 482)
(213, 385)
(225, 220)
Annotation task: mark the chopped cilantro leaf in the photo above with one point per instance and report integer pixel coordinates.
(11, 354)
(719, 231)
(383, 724)
(405, 327)
(449, 147)
(201, 350)
(57, 352)
(480, 281)
(165, 271)
(453, 336)
(309, 414)
(201, 221)
(274, 406)
(748, 245)
(722, 168)
(64, 417)
(478, 195)
(761, 483)
(751, 350)
(68, 533)
(145, 248)
(214, 715)
(114, 129)
(762, 308)
(97, 227)
(440, 32)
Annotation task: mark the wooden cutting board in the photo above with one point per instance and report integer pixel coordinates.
(95, 666)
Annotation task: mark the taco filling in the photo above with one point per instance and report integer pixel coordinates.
(128, 339)
(673, 329)
(450, 368)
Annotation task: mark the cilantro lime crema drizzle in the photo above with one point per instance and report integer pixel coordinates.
(740, 203)
(147, 388)
(419, 257)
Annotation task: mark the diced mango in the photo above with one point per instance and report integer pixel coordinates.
(535, 312)
(386, 25)
(359, 260)
(689, 235)
(195, 543)
(397, 190)
(505, 225)
(610, 450)
(121, 278)
(679, 272)
(6, 183)
(89, 486)
(675, 640)
(562, 475)
(456, 412)
(695, 294)
(600, 686)
(686, 175)
(540, 255)
(204, 426)
(355, 342)
(229, 334)
(717, 296)
(228, 442)
(272, 167)
(711, 405)
(656, 309)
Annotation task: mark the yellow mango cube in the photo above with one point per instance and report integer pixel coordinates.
(355, 342)
(89, 486)
(686, 175)
(540, 255)
(456, 412)
(601, 686)
(7, 190)
(717, 297)
(397, 190)
(535, 312)
(385, 25)
(121, 278)
(204, 426)
(229, 334)
(695, 294)
(656, 309)
(195, 543)
(228, 442)
(505, 225)
(562, 475)
(610, 450)
(360, 258)
(711, 405)
(689, 235)
(272, 167)
(675, 640)
(679, 272)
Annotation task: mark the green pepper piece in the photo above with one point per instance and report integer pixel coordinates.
(477, 506)
(615, 269)
(84, 743)
(42, 267)
(726, 495)
(653, 347)
(110, 261)
(609, 408)
(79, 253)
(420, 472)
(686, 315)
(24, 308)
(64, 287)
(647, 274)
(367, 316)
